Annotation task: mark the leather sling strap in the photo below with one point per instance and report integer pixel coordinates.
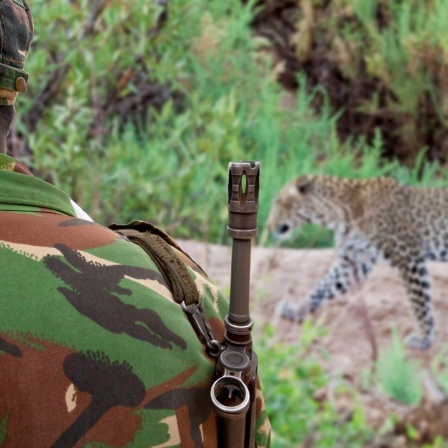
(174, 272)
(178, 280)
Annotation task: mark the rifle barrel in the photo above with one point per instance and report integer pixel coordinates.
(233, 393)
(242, 228)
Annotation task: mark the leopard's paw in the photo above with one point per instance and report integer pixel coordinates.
(291, 311)
(417, 341)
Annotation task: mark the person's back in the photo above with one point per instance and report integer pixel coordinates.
(90, 334)
(94, 349)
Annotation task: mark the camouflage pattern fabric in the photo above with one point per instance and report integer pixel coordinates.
(16, 34)
(94, 352)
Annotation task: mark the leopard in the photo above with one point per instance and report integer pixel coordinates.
(375, 219)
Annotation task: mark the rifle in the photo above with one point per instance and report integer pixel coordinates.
(233, 392)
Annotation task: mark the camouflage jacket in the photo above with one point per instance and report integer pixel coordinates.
(94, 352)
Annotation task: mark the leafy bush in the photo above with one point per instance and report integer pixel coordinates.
(399, 378)
(439, 370)
(169, 166)
(383, 63)
(291, 378)
(136, 113)
(438, 443)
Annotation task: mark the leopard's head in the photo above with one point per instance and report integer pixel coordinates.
(309, 198)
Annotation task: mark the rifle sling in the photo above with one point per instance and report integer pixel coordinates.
(174, 272)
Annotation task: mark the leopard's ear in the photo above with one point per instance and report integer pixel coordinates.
(304, 184)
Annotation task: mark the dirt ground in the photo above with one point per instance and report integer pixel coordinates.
(359, 323)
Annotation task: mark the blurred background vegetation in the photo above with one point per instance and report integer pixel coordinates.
(135, 108)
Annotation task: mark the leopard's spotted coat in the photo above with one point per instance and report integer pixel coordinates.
(372, 219)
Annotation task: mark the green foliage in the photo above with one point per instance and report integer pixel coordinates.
(438, 443)
(291, 378)
(219, 102)
(3, 428)
(386, 65)
(399, 378)
(172, 167)
(440, 369)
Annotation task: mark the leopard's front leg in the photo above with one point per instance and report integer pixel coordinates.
(354, 263)
(416, 278)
